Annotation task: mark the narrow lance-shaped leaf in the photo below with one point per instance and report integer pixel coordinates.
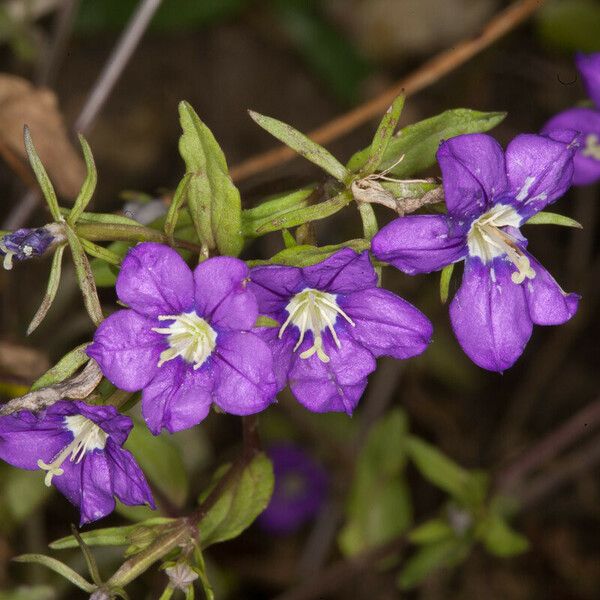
(85, 277)
(100, 252)
(213, 200)
(53, 283)
(445, 277)
(383, 135)
(179, 198)
(303, 145)
(549, 218)
(64, 368)
(89, 184)
(58, 567)
(90, 560)
(42, 176)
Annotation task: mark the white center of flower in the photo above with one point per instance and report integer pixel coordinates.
(188, 336)
(87, 436)
(592, 146)
(314, 311)
(487, 240)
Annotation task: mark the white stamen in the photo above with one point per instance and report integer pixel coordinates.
(87, 436)
(592, 146)
(7, 262)
(188, 336)
(487, 240)
(314, 311)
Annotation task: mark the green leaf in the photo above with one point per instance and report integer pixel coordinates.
(27, 592)
(431, 532)
(305, 255)
(213, 200)
(179, 198)
(51, 289)
(64, 368)
(379, 507)
(89, 185)
(299, 216)
(500, 539)
(369, 220)
(101, 253)
(383, 136)
(161, 461)
(88, 556)
(430, 558)
(445, 277)
(302, 145)
(111, 219)
(240, 503)
(409, 189)
(289, 241)
(549, 218)
(58, 567)
(85, 277)
(42, 176)
(437, 468)
(419, 142)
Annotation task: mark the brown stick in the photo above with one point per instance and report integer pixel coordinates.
(435, 68)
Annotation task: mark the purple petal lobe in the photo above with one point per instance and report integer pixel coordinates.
(419, 244)
(539, 169)
(129, 484)
(127, 349)
(70, 483)
(221, 293)
(548, 303)
(281, 349)
(178, 397)
(386, 324)
(108, 418)
(343, 272)
(273, 287)
(472, 172)
(335, 386)
(587, 121)
(245, 382)
(589, 67)
(490, 316)
(97, 499)
(154, 280)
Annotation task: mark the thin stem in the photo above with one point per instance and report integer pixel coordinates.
(430, 72)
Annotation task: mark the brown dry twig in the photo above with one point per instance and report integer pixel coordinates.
(430, 72)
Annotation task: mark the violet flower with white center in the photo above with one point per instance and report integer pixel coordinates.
(79, 447)
(333, 322)
(585, 120)
(489, 195)
(186, 339)
(23, 244)
(300, 489)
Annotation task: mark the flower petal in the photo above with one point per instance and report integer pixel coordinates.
(589, 67)
(178, 397)
(221, 293)
(539, 169)
(154, 280)
(335, 386)
(281, 349)
(473, 173)
(419, 244)
(273, 286)
(129, 483)
(70, 483)
(127, 349)
(108, 418)
(489, 315)
(548, 303)
(97, 498)
(586, 121)
(245, 383)
(386, 324)
(341, 273)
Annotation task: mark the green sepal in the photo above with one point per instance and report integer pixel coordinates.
(51, 289)
(445, 277)
(58, 567)
(89, 184)
(549, 218)
(42, 176)
(303, 145)
(418, 143)
(64, 368)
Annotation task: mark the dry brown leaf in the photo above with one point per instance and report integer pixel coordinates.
(23, 104)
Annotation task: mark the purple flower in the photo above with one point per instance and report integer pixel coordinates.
(185, 340)
(79, 447)
(585, 120)
(25, 243)
(300, 490)
(489, 195)
(333, 322)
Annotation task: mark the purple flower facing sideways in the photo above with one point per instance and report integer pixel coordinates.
(489, 195)
(185, 340)
(333, 322)
(24, 243)
(584, 120)
(300, 490)
(79, 448)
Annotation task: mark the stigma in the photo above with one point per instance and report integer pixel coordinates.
(592, 146)
(188, 336)
(487, 240)
(314, 311)
(87, 436)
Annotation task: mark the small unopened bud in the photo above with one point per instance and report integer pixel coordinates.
(101, 594)
(181, 576)
(26, 243)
